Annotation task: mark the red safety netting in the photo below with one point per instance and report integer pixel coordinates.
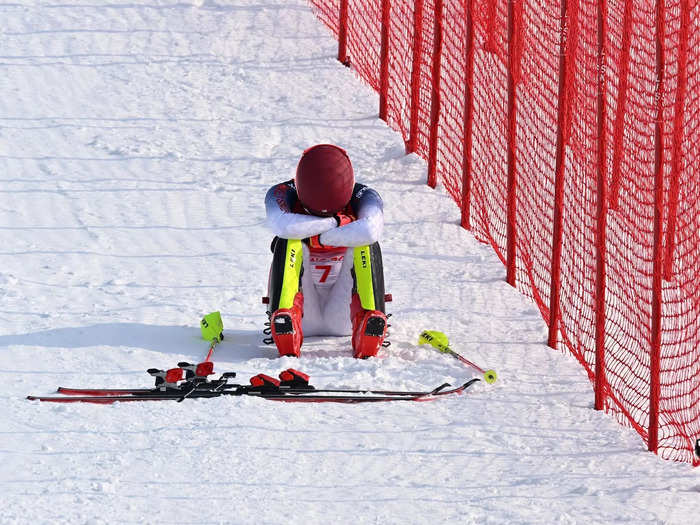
(364, 37)
(328, 11)
(400, 60)
(489, 157)
(424, 84)
(561, 177)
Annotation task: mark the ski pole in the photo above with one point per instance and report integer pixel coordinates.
(210, 352)
(212, 330)
(439, 342)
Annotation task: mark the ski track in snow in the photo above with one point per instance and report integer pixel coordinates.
(137, 141)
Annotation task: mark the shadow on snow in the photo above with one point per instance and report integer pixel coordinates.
(237, 346)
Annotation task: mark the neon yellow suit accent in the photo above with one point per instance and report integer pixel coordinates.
(292, 272)
(363, 275)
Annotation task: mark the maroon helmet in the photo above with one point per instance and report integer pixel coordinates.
(324, 179)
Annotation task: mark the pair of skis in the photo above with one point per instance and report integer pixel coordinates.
(189, 381)
(192, 381)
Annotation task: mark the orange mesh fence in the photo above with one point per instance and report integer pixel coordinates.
(569, 134)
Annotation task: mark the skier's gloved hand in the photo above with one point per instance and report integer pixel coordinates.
(342, 219)
(314, 242)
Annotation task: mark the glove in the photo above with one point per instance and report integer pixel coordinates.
(314, 242)
(342, 219)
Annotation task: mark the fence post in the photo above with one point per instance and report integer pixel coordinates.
(602, 210)
(555, 282)
(412, 144)
(435, 95)
(343, 33)
(513, 74)
(491, 39)
(657, 283)
(384, 61)
(677, 140)
(468, 116)
(619, 122)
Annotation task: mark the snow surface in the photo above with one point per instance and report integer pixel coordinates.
(137, 140)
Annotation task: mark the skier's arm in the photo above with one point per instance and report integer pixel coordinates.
(367, 229)
(284, 222)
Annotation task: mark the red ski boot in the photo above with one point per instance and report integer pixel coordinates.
(368, 330)
(285, 324)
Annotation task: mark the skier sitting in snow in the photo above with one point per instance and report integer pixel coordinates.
(326, 276)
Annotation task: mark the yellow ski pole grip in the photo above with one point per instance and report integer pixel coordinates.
(212, 327)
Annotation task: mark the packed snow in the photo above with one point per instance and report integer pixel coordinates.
(137, 141)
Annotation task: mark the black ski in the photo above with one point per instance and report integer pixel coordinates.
(191, 381)
(273, 394)
(67, 391)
